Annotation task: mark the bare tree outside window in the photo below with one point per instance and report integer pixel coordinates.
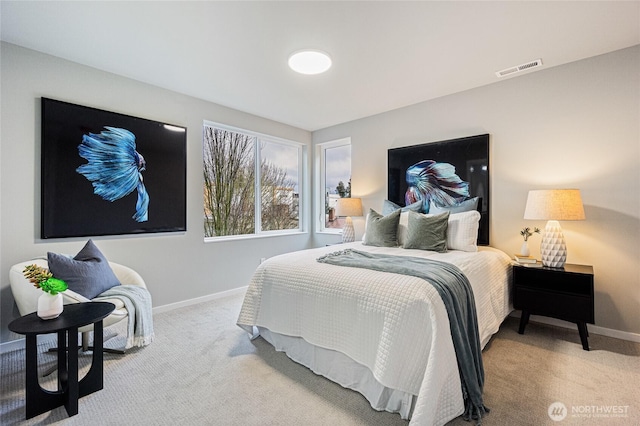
(230, 184)
(279, 198)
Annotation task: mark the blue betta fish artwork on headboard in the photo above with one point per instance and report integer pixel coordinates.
(114, 167)
(453, 173)
(106, 173)
(430, 181)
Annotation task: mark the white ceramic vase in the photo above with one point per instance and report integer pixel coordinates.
(524, 249)
(49, 305)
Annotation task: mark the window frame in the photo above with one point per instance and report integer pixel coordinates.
(320, 174)
(257, 138)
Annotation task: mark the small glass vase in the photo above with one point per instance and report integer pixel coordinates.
(50, 306)
(524, 249)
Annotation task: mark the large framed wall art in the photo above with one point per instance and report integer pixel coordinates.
(104, 173)
(444, 173)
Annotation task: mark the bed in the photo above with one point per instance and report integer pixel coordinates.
(384, 334)
(353, 326)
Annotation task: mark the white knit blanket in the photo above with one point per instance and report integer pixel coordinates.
(395, 325)
(137, 301)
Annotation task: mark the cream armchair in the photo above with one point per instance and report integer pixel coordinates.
(26, 296)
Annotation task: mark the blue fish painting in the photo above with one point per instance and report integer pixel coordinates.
(437, 182)
(114, 167)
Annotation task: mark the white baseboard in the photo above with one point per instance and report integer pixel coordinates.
(14, 345)
(207, 298)
(19, 343)
(609, 332)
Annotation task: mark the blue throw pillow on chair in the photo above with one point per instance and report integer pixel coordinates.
(88, 273)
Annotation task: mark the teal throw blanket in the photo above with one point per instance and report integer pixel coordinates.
(137, 301)
(457, 295)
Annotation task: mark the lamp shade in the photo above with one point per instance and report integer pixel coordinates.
(349, 207)
(554, 204)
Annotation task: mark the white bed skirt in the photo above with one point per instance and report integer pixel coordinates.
(341, 369)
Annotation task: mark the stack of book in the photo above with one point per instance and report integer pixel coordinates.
(527, 261)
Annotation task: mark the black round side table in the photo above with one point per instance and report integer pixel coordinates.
(75, 315)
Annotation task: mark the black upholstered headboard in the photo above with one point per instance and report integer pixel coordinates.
(423, 172)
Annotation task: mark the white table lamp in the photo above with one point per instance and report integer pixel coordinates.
(348, 207)
(554, 205)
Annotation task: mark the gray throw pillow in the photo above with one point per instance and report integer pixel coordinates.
(88, 273)
(382, 231)
(427, 232)
(389, 207)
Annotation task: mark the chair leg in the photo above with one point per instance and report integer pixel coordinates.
(84, 348)
(85, 341)
(50, 370)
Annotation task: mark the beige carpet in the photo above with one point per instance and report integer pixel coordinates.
(203, 370)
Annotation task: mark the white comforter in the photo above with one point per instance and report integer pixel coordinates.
(395, 325)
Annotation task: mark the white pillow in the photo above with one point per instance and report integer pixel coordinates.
(403, 227)
(462, 231)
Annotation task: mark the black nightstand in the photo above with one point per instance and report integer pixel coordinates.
(563, 293)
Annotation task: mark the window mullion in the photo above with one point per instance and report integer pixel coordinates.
(301, 185)
(322, 190)
(258, 186)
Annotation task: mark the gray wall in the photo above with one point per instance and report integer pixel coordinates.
(576, 125)
(176, 267)
(573, 126)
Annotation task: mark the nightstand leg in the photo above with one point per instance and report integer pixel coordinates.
(584, 334)
(524, 320)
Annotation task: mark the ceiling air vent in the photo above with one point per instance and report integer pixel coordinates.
(519, 68)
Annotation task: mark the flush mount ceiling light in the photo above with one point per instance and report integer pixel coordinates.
(309, 62)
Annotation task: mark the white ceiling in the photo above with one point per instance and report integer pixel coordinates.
(385, 55)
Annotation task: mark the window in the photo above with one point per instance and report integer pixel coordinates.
(334, 170)
(251, 183)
